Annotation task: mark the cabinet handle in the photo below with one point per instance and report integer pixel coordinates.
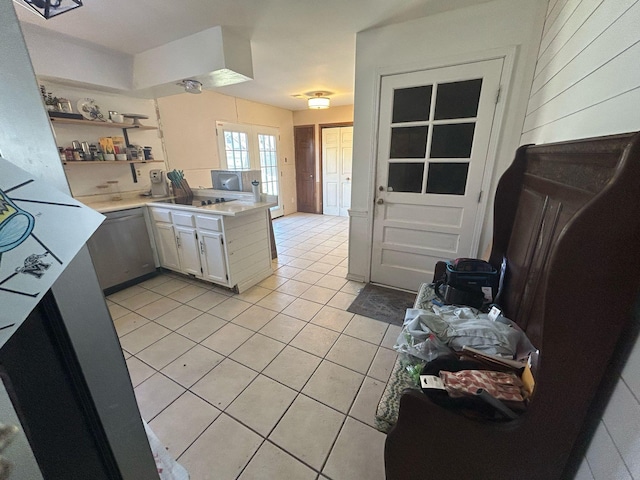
(201, 248)
(178, 242)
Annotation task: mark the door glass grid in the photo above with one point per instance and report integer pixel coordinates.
(236, 146)
(409, 142)
(456, 106)
(405, 177)
(447, 178)
(458, 99)
(452, 140)
(268, 163)
(412, 104)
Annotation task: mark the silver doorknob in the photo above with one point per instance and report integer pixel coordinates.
(380, 201)
(310, 176)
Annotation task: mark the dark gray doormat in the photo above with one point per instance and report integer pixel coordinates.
(384, 304)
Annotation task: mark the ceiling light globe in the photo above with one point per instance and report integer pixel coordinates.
(318, 103)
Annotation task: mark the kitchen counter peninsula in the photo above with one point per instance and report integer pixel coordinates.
(237, 204)
(229, 208)
(227, 243)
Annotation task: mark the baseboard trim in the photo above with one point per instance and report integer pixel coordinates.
(355, 278)
(358, 213)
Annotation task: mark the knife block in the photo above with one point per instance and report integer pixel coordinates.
(182, 192)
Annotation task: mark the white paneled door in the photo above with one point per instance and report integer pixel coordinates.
(337, 154)
(434, 132)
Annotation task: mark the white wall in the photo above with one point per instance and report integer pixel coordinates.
(320, 117)
(587, 83)
(188, 123)
(57, 56)
(587, 80)
(468, 33)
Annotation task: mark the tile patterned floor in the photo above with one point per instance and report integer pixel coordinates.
(277, 382)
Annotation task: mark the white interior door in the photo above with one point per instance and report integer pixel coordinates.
(433, 140)
(337, 155)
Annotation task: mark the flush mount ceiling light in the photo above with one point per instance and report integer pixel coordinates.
(51, 8)
(191, 86)
(318, 101)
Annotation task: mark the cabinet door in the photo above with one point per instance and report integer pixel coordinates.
(214, 264)
(167, 247)
(188, 250)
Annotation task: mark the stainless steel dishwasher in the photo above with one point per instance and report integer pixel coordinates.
(121, 250)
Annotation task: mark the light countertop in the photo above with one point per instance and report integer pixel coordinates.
(105, 206)
(241, 205)
(237, 207)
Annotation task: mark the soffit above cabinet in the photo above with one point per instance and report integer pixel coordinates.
(215, 57)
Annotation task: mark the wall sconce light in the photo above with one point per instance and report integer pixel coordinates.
(318, 102)
(51, 8)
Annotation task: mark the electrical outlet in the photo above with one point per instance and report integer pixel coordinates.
(139, 172)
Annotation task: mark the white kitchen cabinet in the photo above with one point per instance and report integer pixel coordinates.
(212, 253)
(183, 247)
(232, 249)
(167, 247)
(188, 250)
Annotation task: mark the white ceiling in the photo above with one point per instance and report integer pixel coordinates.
(298, 46)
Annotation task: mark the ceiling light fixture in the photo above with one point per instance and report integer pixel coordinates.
(191, 86)
(318, 102)
(51, 8)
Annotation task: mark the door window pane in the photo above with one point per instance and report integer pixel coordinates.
(447, 178)
(268, 163)
(408, 142)
(458, 99)
(405, 177)
(452, 141)
(411, 104)
(236, 150)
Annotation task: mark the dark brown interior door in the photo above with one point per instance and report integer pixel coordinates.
(305, 168)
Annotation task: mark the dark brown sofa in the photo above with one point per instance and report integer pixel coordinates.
(567, 221)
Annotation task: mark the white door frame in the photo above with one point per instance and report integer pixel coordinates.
(252, 131)
(508, 55)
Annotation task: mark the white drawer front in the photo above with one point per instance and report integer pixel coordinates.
(161, 215)
(209, 223)
(184, 219)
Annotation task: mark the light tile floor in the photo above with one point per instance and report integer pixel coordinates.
(279, 382)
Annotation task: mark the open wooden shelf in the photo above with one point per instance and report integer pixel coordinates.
(108, 162)
(96, 123)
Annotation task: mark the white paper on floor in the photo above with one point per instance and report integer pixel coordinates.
(168, 468)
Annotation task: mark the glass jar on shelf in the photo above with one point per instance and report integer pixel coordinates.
(114, 189)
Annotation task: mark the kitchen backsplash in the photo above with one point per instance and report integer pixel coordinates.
(87, 179)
